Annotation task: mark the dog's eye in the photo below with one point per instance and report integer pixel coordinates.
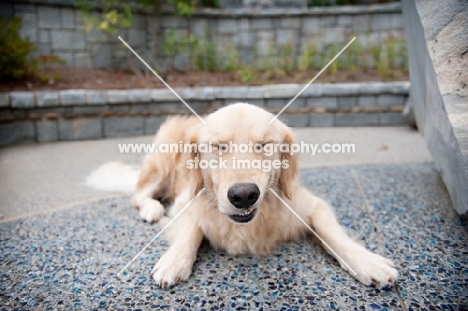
(259, 147)
(221, 147)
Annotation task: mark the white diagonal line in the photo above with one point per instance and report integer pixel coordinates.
(368, 210)
(160, 232)
(338, 257)
(161, 79)
(311, 81)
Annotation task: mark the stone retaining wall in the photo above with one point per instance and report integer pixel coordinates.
(89, 114)
(253, 33)
(438, 45)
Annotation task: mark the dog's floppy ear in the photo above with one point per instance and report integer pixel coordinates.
(288, 175)
(195, 177)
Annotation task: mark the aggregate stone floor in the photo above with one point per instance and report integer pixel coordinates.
(69, 259)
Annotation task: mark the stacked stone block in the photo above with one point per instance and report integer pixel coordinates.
(254, 34)
(94, 114)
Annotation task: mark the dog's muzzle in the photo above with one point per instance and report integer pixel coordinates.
(243, 196)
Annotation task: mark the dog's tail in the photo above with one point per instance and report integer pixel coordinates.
(114, 176)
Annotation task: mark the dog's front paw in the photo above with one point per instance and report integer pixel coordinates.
(151, 210)
(172, 269)
(372, 268)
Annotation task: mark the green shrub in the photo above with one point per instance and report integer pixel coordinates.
(231, 59)
(174, 43)
(204, 53)
(285, 57)
(246, 75)
(205, 56)
(328, 52)
(389, 57)
(48, 61)
(308, 58)
(15, 62)
(314, 3)
(210, 3)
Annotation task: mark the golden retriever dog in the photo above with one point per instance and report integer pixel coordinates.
(239, 210)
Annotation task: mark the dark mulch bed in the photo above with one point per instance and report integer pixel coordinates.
(79, 78)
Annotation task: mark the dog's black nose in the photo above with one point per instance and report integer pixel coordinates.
(243, 195)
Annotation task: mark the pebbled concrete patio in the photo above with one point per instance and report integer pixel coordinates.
(62, 244)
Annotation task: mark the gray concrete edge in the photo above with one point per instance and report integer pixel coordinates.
(431, 109)
(99, 97)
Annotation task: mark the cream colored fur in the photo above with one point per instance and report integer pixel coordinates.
(165, 176)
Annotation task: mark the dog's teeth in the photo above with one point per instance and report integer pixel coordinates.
(245, 213)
